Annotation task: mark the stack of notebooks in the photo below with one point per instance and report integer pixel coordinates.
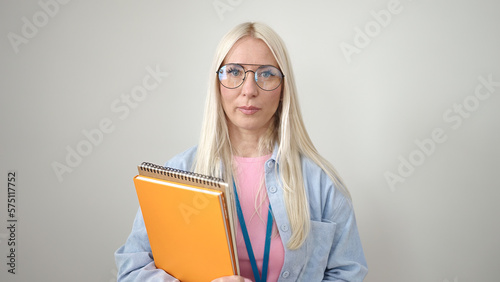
(189, 221)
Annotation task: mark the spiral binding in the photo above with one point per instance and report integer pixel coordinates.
(182, 175)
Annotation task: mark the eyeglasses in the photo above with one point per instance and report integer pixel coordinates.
(267, 77)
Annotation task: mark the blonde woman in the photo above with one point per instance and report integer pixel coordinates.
(296, 220)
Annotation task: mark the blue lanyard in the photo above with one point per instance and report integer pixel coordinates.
(248, 245)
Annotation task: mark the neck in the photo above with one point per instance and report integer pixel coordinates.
(246, 143)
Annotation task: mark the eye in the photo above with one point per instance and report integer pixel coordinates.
(268, 72)
(233, 71)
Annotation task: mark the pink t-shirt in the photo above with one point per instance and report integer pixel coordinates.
(249, 179)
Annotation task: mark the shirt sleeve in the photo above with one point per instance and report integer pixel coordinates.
(346, 261)
(135, 260)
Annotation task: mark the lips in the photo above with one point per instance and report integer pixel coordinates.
(248, 110)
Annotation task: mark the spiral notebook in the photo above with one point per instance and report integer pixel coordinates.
(189, 221)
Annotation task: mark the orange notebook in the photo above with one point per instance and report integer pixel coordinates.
(189, 223)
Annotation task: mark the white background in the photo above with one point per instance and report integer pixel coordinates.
(440, 224)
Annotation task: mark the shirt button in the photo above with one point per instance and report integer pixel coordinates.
(284, 227)
(273, 189)
(285, 274)
(270, 164)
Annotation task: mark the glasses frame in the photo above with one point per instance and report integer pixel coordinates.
(254, 74)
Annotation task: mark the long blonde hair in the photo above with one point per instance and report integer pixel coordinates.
(214, 154)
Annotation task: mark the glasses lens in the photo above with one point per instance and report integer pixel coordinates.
(231, 75)
(268, 77)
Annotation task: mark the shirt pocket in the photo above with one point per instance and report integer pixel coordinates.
(318, 246)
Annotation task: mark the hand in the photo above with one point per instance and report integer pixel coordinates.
(234, 278)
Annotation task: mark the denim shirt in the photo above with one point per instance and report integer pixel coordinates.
(331, 252)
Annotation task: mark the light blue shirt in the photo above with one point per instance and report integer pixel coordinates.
(331, 252)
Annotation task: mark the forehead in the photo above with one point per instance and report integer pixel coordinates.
(249, 50)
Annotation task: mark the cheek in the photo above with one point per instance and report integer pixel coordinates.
(228, 102)
(275, 97)
(224, 98)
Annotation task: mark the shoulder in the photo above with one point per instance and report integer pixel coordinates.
(183, 160)
(310, 166)
(325, 199)
(313, 174)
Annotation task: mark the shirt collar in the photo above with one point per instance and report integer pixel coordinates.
(274, 156)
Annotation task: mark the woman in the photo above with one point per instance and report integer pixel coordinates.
(253, 136)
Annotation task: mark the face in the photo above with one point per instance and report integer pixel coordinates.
(249, 109)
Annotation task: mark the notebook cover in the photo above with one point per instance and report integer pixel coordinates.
(188, 231)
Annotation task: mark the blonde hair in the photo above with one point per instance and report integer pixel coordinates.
(214, 154)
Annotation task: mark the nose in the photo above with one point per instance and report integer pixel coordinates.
(249, 87)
